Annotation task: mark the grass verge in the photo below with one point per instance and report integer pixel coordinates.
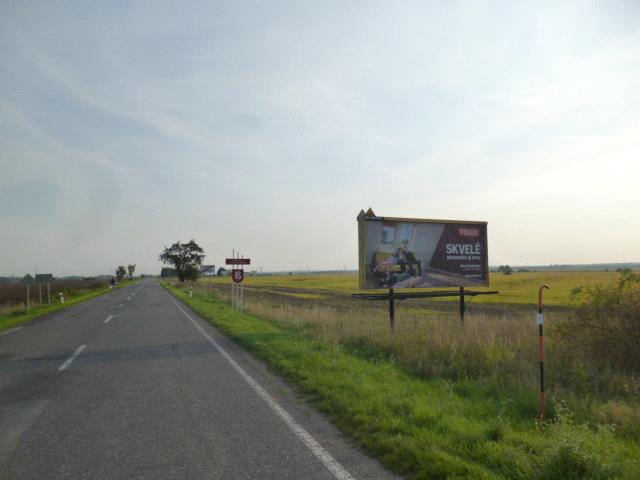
(427, 429)
(20, 316)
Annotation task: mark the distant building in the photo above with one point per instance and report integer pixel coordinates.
(222, 272)
(208, 270)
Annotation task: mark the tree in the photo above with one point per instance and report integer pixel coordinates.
(120, 272)
(186, 258)
(131, 268)
(168, 272)
(506, 269)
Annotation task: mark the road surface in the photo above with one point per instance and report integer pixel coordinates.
(134, 385)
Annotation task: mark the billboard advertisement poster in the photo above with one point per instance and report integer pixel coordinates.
(420, 253)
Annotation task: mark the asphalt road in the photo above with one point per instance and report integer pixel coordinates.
(134, 385)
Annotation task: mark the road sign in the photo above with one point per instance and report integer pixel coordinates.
(238, 261)
(237, 275)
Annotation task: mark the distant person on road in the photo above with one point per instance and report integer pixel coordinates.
(113, 283)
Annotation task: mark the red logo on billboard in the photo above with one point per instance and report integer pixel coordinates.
(237, 275)
(468, 232)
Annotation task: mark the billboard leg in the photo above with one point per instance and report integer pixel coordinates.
(392, 314)
(462, 306)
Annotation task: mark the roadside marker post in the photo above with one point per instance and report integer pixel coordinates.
(540, 322)
(61, 297)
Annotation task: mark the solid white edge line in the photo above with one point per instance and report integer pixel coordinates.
(108, 319)
(11, 330)
(318, 450)
(68, 361)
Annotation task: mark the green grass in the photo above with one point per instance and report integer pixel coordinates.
(428, 429)
(518, 288)
(19, 316)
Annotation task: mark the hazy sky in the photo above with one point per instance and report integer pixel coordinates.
(267, 126)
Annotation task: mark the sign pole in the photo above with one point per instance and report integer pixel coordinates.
(462, 306)
(540, 320)
(237, 276)
(28, 299)
(235, 286)
(49, 293)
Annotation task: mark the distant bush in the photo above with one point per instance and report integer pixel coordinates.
(604, 329)
(506, 269)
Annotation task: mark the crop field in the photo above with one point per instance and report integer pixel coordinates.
(12, 294)
(519, 288)
(13, 299)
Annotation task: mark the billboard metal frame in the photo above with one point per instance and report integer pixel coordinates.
(392, 296)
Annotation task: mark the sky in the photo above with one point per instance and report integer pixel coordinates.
(266, 127)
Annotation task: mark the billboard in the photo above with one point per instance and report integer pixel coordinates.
(420, 253)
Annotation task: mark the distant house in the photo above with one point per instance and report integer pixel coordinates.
(222, 272)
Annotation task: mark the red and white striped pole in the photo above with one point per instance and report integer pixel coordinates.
(540, 320)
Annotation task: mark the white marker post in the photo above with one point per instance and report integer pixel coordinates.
(61, 297)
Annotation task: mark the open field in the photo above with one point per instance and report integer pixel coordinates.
(435, 400)
(499, 342)
(518, 288)
(16, 293)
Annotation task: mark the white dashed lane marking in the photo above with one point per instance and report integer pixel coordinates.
(69, 360)
(11, 330)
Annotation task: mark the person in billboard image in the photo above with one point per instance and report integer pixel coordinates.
(385, 273)
(391, 261)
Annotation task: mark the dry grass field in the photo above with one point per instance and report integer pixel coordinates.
(499, 340)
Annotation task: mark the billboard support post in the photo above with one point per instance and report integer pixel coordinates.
(540, 320)
(392, 312)
(462, 306)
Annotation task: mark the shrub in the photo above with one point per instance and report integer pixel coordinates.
(604, 329)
